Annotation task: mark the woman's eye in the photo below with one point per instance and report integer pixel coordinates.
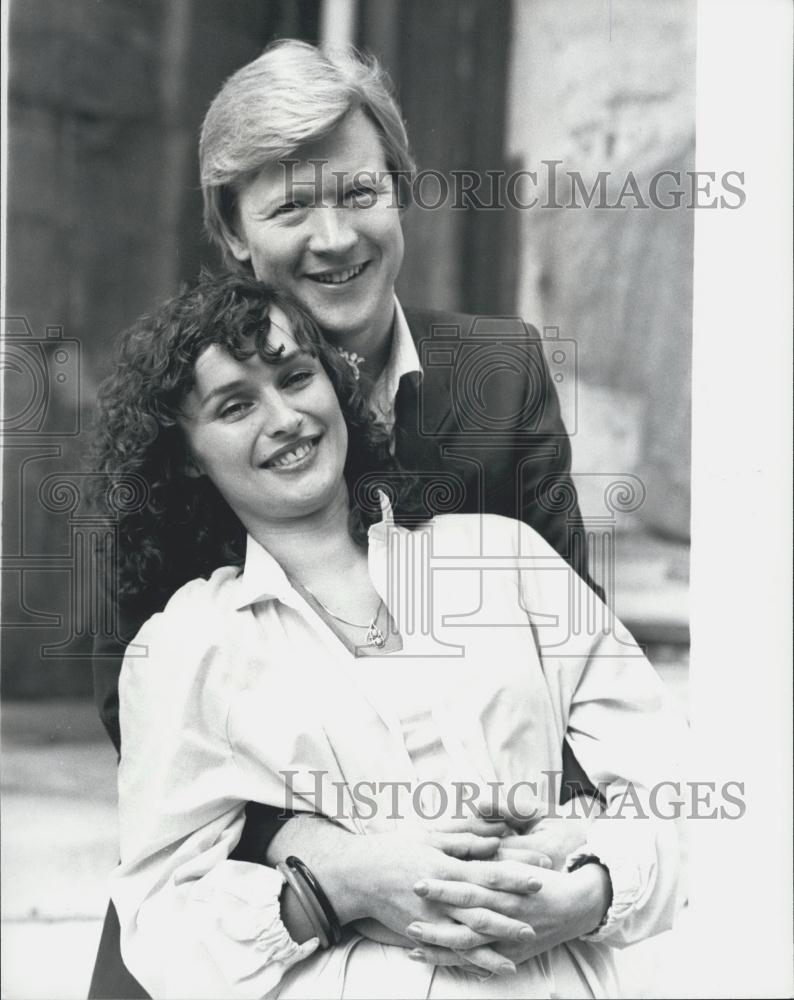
(233, 410)
(299, 378)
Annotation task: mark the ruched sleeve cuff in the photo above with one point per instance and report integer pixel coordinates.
(236, 919)
(627, 882)
(641, 858)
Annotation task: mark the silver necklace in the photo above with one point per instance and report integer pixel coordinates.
(374, 635)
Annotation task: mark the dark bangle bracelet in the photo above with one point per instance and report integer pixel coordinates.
(309, 905)
(335, 928)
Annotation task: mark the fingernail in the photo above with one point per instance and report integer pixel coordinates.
(421, 888)
(414, 930)
(545, 862)
(526, 934)
(417, 955)
(507, 969)
(534, 884)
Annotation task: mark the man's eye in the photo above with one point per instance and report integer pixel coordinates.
(363, 196)
(288, 208)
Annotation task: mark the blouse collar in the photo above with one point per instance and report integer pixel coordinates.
(263, 577)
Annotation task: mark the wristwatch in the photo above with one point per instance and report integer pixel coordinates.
(592, 859)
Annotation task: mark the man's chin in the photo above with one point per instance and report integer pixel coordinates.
(350, 319)
(343, 327)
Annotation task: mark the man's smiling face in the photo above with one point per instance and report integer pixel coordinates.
(328, 233)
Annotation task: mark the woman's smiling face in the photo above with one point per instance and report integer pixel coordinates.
(270, 436)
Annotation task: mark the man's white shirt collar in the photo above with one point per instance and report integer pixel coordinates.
(403, 360)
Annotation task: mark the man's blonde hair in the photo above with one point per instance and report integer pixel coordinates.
(291, 95)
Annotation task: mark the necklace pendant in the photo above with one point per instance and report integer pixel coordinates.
(375, 637)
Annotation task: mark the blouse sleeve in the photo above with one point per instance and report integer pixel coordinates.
(629, 737)
(193, 923)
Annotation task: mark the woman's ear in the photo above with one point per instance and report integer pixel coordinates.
(192, 469)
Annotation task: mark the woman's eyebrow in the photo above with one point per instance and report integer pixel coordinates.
(221, 390)
(283, 358)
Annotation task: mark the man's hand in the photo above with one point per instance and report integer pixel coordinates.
(370, 879)
(486, 867)
(568, 906)
(552, 837)
(394, 863)
(481, 837)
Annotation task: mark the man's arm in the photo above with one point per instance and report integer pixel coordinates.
(547, 495)
(126, 618)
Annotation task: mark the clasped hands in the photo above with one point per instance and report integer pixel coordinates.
(484, 893)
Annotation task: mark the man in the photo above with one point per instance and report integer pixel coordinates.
(304, 164)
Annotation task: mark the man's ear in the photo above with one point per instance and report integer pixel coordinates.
(238, 247)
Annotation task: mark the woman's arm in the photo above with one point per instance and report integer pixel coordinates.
(626, 734)
(629, 737)
(193, 922)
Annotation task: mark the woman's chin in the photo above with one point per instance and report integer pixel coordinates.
(315, 499)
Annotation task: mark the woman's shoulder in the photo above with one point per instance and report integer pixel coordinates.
(193, 613)
(215, 591)
(180, 660)
(488, 534)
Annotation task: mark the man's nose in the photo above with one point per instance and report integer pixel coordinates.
(332, 230)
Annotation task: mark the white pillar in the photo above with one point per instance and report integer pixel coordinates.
(337, 23)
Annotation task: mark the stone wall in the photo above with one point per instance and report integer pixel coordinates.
(610, 86)
(104, 219)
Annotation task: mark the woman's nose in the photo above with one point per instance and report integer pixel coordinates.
(281, 420)
(332, 231)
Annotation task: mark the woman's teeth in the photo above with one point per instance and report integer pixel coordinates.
(338, 277)
(290, 457)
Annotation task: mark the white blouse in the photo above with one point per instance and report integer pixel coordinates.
(240, 692)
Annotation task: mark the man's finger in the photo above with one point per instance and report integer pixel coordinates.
(509, 876)
(466, 894)
(525, 855)
(465, 846)
(522, 807)
(490, 962)
(446, 935)
(482, 826)
(493, 925)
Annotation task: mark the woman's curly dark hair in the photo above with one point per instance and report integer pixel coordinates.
(179, 526)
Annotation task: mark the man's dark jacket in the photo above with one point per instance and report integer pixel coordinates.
(482, 429)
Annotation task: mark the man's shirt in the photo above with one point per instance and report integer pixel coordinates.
(403, 360)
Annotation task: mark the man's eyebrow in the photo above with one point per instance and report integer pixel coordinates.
(271, 201)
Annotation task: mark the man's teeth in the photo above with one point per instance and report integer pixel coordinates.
(289, 457)
(339, 277)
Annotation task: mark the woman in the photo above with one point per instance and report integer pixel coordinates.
(264, 683)
(334, 242)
